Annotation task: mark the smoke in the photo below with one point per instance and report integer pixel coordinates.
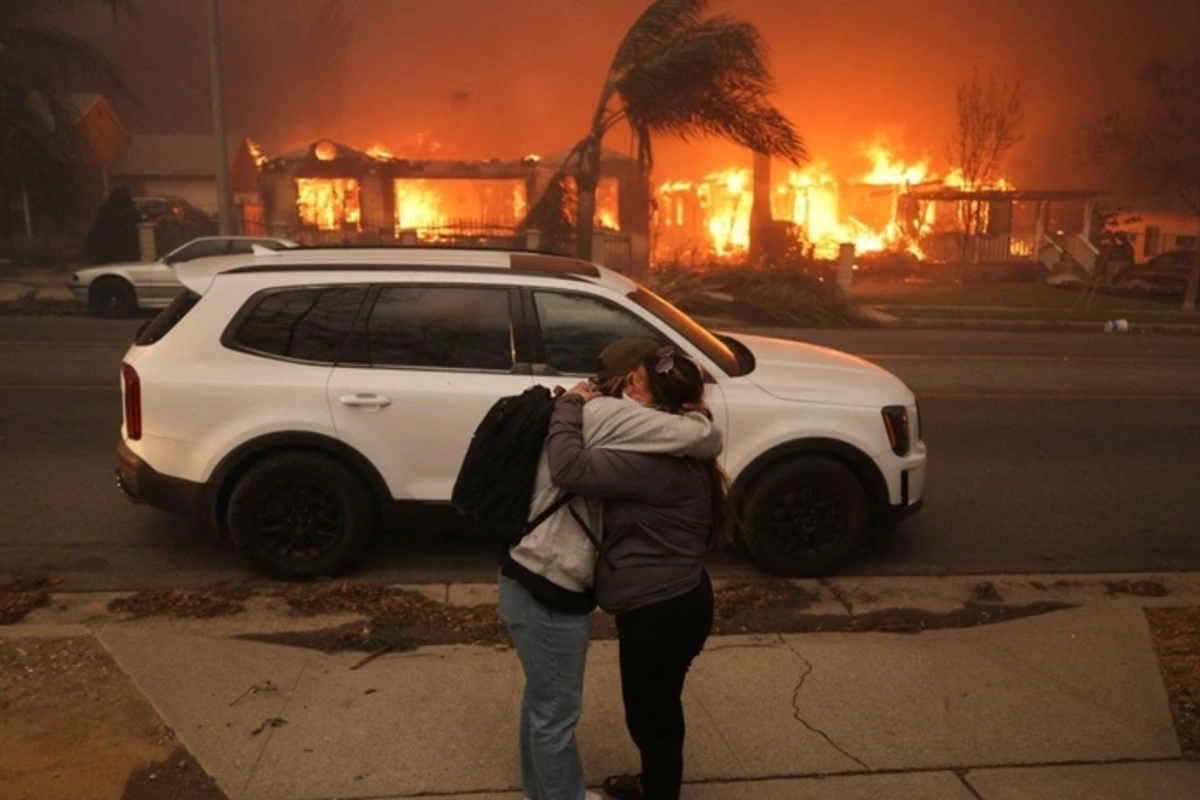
(504, 78)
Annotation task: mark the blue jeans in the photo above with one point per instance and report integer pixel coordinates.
(552, 647)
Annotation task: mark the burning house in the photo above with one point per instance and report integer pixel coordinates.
(331, 193)
(892, 207)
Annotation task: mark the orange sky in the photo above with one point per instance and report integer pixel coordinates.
(527, 72)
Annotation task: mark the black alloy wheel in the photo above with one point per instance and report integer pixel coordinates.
(298, 520)
(301, 515)
(806, 517)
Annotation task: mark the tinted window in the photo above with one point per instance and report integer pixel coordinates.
(576, 328)
(167, 319)
(304, 324)
(439, 327)
(201, 249)
(693, 331)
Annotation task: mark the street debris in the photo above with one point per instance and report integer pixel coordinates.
(220, 600)
(258, 688)
(21, 596)
(269, 722)
(986, 592)
(1137, 588)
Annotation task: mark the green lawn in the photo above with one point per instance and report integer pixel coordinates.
(894, 296)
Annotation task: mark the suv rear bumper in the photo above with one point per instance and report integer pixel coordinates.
(141, 483)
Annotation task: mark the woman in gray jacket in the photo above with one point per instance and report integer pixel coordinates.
(661, 516)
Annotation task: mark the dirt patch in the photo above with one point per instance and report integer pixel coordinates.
(772, 606)
(72, 724)
(21, 596)
(221, 600)
(1137, 588)
(1176, 634)
(178, 776)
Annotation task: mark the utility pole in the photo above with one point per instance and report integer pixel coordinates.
(224, 217)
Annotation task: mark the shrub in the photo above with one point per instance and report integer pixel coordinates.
(765, 295)
(114, 233)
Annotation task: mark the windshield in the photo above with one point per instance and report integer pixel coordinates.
(688, 328)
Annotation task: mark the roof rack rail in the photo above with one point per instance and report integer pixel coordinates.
(464, 248)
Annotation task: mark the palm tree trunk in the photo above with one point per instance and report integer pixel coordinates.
(586, 183)
(589, 178)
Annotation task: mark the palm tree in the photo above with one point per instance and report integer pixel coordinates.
(677, 72)
(39, 62)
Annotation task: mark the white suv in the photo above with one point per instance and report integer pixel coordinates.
(300, 400)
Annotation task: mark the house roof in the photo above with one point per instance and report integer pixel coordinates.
(608, 157)
(176, 155)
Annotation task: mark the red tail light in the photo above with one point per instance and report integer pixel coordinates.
(133, 401)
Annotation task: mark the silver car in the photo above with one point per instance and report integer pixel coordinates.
(118, 290)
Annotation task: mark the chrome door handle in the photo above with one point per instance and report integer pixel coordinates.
(365, 400)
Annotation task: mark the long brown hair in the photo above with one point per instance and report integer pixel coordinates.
(676, 383)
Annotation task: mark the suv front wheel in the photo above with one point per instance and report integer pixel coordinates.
(301, 515)
(806, 517)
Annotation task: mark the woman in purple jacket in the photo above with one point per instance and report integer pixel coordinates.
(661, 516)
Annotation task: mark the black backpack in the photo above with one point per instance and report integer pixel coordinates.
(495, 482)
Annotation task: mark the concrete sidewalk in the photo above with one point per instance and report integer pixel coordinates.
(1067, 704)
(47, 284)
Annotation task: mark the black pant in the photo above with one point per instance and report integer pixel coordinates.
(657, 645)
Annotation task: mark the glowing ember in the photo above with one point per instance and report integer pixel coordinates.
(256, 152)
(325, 151)
(380, 153)
(329, 204)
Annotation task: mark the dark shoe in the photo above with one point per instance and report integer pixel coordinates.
(623, 787)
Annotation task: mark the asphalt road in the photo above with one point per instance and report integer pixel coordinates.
(1049, 453)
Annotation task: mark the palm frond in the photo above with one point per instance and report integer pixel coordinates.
(15, 10)
(658, 24)
(713, 80)
(50, 58)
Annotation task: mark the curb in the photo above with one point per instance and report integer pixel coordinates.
(1038, 326)
(266, 611)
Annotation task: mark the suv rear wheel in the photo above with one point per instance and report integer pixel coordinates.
(806, 517)
(301, 515)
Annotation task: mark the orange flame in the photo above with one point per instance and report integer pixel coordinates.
(329, 204)
(380, 153)
(256, 152)
(813, 199)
